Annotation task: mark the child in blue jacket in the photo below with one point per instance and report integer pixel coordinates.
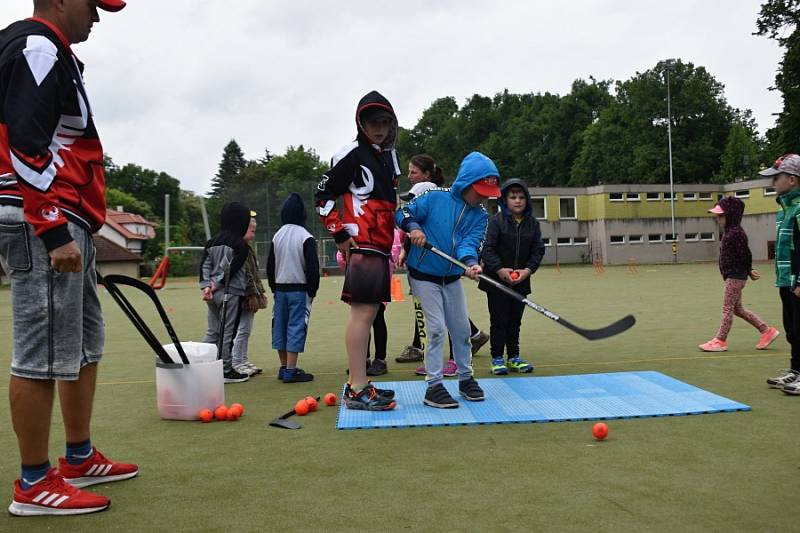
(454, 221)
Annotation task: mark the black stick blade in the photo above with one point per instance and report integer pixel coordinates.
(616, 328)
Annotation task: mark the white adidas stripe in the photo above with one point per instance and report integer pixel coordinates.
(91, 470)
(60, 501)
(50, 498)
(41, 495)
(106, 470)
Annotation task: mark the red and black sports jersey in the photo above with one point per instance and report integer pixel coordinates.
(51, 159)
(365, 177)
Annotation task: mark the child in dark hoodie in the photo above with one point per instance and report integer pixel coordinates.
(293, 276)
(735, 265)
(512, 252)
(364, 174)
(227, 250)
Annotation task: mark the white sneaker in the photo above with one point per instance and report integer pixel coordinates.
(253, 367)
(792, 388)
(244, 369)
(783, 378)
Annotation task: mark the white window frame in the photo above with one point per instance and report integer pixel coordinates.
(707, 233)
(544, 201)
(580, 241)
(568, 243)
(633, 197)
(667, 196)
(635, 239)
(546, 241)
(660, 238)
(674, 237)
(742, 194)
(687, 198)
(705, 196)
(574, 202)
(611, 241)
(696, 237)
(656, 199)
(620, 199)
(767, 192)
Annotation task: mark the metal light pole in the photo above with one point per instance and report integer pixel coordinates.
(671, 185)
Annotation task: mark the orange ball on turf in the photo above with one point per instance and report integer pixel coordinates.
(301, 407)
(233, 414)
(600, 431)
(205, 415)
(240, 408)
(221, 413)
(330, 399)
(312, 403)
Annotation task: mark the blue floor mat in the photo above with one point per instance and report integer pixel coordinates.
(545, 399)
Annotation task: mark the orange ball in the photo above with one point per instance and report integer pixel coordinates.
(514, 275)
(600, 431)
(238, 406)
(330, 399)
(312, 403)
(233, 414)
(205, 415)
(301, 407)
(221, 413)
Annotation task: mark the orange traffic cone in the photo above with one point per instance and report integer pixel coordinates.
(397, 290)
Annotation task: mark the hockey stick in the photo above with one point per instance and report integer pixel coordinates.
(617, 327)
(111, 281)
(224, 311)
(284, 422)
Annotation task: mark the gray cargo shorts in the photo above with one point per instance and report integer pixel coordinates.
(57, 320)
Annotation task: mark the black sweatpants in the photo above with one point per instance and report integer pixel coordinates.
(791, 323)
(505, 319)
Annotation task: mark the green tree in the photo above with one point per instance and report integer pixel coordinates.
(230, 166)
(740, 158)
(780, 20)
(116, 198)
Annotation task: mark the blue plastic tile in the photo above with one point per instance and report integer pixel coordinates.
(545, 399)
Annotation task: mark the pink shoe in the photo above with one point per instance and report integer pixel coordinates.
(714, 345)
(450, 369)
(420, 371)
(767, 337)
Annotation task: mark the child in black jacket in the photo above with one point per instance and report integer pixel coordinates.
(512, 252)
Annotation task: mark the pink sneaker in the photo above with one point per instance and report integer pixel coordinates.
(714, 345)
(420, 371)
(450, 369)
(767, 337)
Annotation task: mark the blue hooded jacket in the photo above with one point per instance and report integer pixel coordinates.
(449, 223)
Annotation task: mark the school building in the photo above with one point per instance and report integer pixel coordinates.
(615, 224)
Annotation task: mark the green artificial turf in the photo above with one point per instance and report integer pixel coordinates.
(722, 472)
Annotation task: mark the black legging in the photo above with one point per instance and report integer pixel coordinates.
(380, 333)
(473, 330)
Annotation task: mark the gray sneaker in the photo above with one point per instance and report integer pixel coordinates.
(478, 341)
(783, 378)
(410, 354)
(792, 388)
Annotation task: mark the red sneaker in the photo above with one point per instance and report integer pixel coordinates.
(96, 469)
(54, 496)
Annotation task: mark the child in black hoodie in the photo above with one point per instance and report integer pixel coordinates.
(227, 250)
(512, 252)
(293, 276)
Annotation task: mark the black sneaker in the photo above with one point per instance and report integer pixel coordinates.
(377, 368)
(478, 341)
(437, 396)
(367, 400)
(386, 393)
(296, 375)
(232, 376)
(347, 370)
(470, 390)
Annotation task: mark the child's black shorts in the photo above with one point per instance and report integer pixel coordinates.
(366, 278)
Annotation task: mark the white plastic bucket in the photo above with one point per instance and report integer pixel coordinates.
(183, 390)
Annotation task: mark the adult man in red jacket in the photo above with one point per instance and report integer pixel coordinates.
(52, 198)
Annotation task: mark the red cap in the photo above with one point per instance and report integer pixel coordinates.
(110, 5)
(717, 210)
(487, 187)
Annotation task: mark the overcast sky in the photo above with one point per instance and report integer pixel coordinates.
(172, 81)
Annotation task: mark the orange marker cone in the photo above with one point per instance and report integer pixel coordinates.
(397, 290)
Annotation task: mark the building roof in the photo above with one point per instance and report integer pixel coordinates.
(111, 252)
(118, 219)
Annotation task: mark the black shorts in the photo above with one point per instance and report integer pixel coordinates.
(366, 278)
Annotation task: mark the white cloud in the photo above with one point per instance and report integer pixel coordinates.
(172, 81)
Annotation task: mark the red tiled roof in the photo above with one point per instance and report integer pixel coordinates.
(116, 219)
(111, 252)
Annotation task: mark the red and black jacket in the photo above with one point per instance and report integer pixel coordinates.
(51, 159)
(365, 176)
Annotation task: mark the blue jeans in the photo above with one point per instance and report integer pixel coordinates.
(290, 313)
